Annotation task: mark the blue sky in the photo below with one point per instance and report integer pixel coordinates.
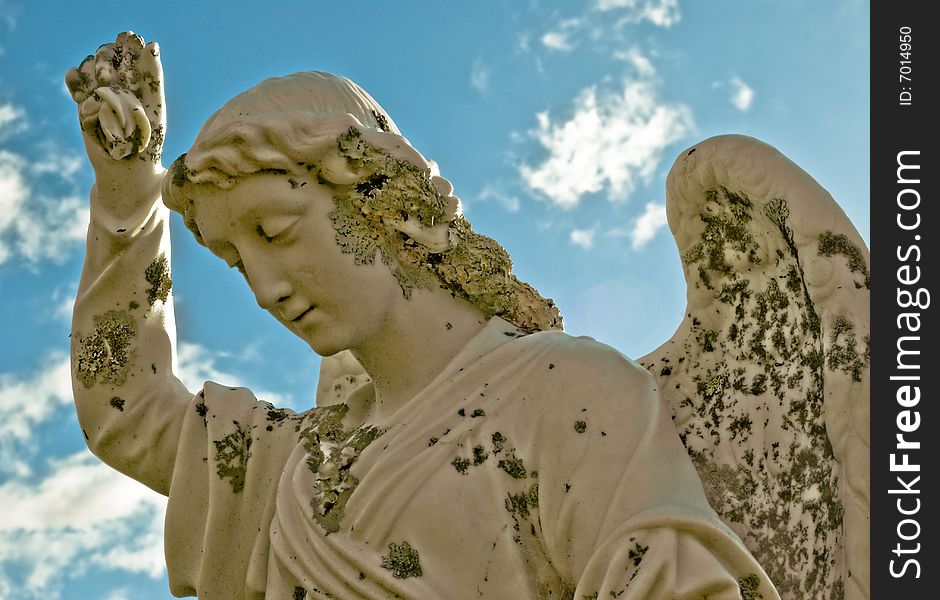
(556, 121)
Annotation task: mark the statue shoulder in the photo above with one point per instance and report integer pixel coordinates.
(572, 375)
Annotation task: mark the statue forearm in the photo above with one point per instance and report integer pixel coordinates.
(129, 402)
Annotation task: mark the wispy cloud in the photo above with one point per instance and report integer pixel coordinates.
(9, 15)
(35, 226)
(561, 37)
(557, 40)
(582, 237)
(742, 95)
(612, 140)
(27, 401)
(492, 193)
(663, 13)
(647, 225)
(197, 364)
(62, 301)
(119, 594)
(601, 25)
(81, 515)
(479, 75)
(644, 67)
(76, 514)
(11, 120)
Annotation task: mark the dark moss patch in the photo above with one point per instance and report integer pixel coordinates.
(179, 173)
(725, 228)
(231, 455)
(158, 276)
(276, 415)
(381, 120)
(104, 356)
(118, 403)
(479, 455)
(300, 593)
(371, 186)
(461, 464)
(462, 412)
(519, 505)
(402, 560)
(749, 587)
(432, 441)
(843, 354)
(478, 412)
(498, 440)
(513, 466)
(832, 244)
(637, 553)
(580, 426)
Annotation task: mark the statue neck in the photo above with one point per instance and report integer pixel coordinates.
(419, 341)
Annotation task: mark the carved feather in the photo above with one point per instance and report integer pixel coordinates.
(767, 375)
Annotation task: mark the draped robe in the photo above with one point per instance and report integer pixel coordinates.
(533, 466)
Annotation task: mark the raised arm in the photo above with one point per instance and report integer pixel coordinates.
(130, 405)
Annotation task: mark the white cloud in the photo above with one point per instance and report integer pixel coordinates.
(560, 39)
(76, 514)
(479, 76)
(557, 40)
(611, 141)
(11, 120)
(81, 515)
(119, 594)
(742, 95)
(582, 237)
(644, 67)
(647, 225)
(27, 401)
(197, 364)
(63, 299)
(663, 13)
(490, 192)
(52, 230)
(55, 163)
(35, 226)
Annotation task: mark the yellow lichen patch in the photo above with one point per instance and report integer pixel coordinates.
(158, 276)
(103, 356)
(368, 218)
(402, 560)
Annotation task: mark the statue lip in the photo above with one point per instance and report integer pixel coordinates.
(299, 316)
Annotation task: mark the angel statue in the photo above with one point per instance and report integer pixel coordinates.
(464, 446)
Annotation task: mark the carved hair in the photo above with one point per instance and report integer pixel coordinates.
(388, 197)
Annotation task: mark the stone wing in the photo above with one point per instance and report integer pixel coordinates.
(767, 376)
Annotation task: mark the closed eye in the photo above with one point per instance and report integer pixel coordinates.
(272, 228)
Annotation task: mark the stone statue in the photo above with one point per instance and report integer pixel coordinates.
(463, 446)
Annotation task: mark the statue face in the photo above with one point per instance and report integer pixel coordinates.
(277, 231)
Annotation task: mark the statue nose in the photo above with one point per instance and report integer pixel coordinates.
(270, 290)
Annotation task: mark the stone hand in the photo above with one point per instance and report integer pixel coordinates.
(119, 92)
